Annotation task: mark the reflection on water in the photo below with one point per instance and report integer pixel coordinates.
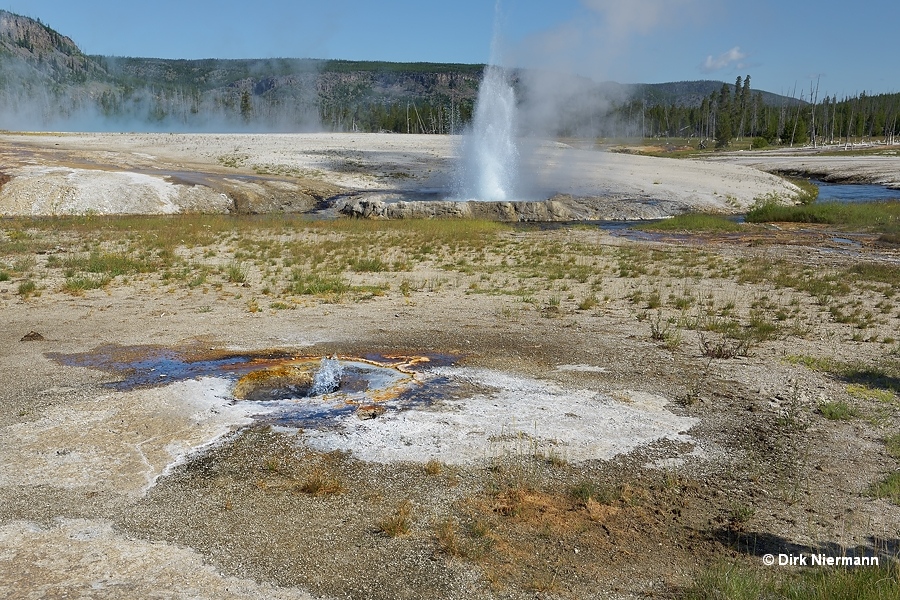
(854, 192)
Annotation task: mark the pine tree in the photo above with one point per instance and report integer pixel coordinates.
(246, 105)
(745, 106)
(723, 118)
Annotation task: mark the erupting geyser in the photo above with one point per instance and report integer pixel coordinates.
(489, 156)
(328, 378)
(489, 153)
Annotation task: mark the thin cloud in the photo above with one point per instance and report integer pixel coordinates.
(598, 37)
(727, 59)
(640, 16)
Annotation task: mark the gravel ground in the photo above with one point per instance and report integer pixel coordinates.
(171, 489)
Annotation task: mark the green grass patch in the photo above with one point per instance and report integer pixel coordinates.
(883, 376)
(587, 490)
(888, 488)
(860, 150)
(892, 444)
(808, 190)
(314, 284)
(883, 217)
(4, 276)
(813, 363)
(110, 264)
(27, 288)
(701, 222)
(864, 392)
(79, 284)
(837, 410)
(880, 272)
(747, 583)
(368, 264)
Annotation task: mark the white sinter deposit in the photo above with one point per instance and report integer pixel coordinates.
(518, 416)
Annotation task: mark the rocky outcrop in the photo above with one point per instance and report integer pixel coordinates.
(66, 191)
(558, 208)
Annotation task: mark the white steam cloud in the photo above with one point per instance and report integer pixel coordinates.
(596, 41)
(733, 57)
(623, 19)
(562, 69)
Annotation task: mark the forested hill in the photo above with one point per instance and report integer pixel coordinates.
(692, 93)
(47, 82)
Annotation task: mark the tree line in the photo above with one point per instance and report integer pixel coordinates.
(421, 98)
(735, 112)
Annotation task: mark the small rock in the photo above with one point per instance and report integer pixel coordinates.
(32, 336)
(369, 411)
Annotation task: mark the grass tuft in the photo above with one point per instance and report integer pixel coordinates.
(746, 583)
(321, 483)
(312, 284)
(434, 467)
(888, 488)
(235, 272)
(837, 410)
(587, 490)
(27, 288)
(79, 284)
(397, 524)
(892, 444)
(368, 264)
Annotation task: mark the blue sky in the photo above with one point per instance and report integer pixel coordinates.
(849, 47)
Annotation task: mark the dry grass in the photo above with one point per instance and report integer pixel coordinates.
(321, 483)
(398, 523)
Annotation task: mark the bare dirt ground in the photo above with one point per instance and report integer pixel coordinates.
(600, 416)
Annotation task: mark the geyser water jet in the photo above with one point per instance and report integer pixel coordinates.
(489, 156)
(328, 378)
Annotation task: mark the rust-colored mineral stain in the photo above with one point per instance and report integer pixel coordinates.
(260, 376)
(272, 383)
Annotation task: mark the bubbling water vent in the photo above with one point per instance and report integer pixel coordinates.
(327, 378)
